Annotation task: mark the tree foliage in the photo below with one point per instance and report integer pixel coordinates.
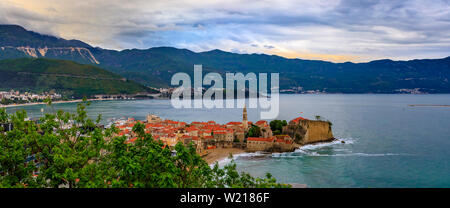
(254, 131)
(277, 126)
(71, 150)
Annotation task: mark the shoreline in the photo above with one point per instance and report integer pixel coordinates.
(427, 105)
(53, 102)
(219, 154)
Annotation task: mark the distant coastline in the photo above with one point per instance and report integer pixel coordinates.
(53, 102)
(427, 105)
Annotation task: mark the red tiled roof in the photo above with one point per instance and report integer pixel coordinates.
(259, 139)
(131, 140)
(261, 122)
(296, 120)
(153, 126)
(219, 129)
(171, 122)
(234, 123)
(191, 128)
(201, 123)
(279, 140)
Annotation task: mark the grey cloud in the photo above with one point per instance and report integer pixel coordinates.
(411, 28)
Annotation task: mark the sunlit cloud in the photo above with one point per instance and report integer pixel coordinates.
(329, 30)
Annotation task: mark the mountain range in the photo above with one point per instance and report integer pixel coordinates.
(67, 77)
(155, 66)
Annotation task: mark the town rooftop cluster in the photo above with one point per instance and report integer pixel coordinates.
(208, 135)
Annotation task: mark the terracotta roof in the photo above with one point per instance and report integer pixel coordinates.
(296, 120)
(206, 131)
(260, 139)
(219, 129)
(192, 128)
(201, 123)
(234, 123)
(261, 122)
(131, 140)
(153, 126)
(171, 122)
(208, 137)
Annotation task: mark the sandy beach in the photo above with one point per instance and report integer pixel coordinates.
(220, 154)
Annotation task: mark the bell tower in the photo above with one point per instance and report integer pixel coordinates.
(244, 119)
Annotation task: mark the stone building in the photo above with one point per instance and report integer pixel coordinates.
(259, 143)
(151, 119)
(266, 132)
(283, 143)
(304, 131)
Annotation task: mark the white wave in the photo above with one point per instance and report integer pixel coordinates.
(368, 155)
(315, 154)
(227, 160)
(325, 144)
(309, 150)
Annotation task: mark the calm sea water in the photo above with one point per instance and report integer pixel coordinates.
(388, 143)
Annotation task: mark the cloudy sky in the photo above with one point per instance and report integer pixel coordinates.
(333, 30)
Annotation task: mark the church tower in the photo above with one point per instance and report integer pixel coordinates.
(244, 119)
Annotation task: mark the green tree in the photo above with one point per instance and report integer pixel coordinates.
(277, 126)
(3, 115)
(254, 131)
(70, 150)
(16, 168)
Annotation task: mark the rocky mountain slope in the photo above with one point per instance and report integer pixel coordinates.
(155, 66)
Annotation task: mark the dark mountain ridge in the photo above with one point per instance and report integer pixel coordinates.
(155, 66)
(66, 77)
(17, 36)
